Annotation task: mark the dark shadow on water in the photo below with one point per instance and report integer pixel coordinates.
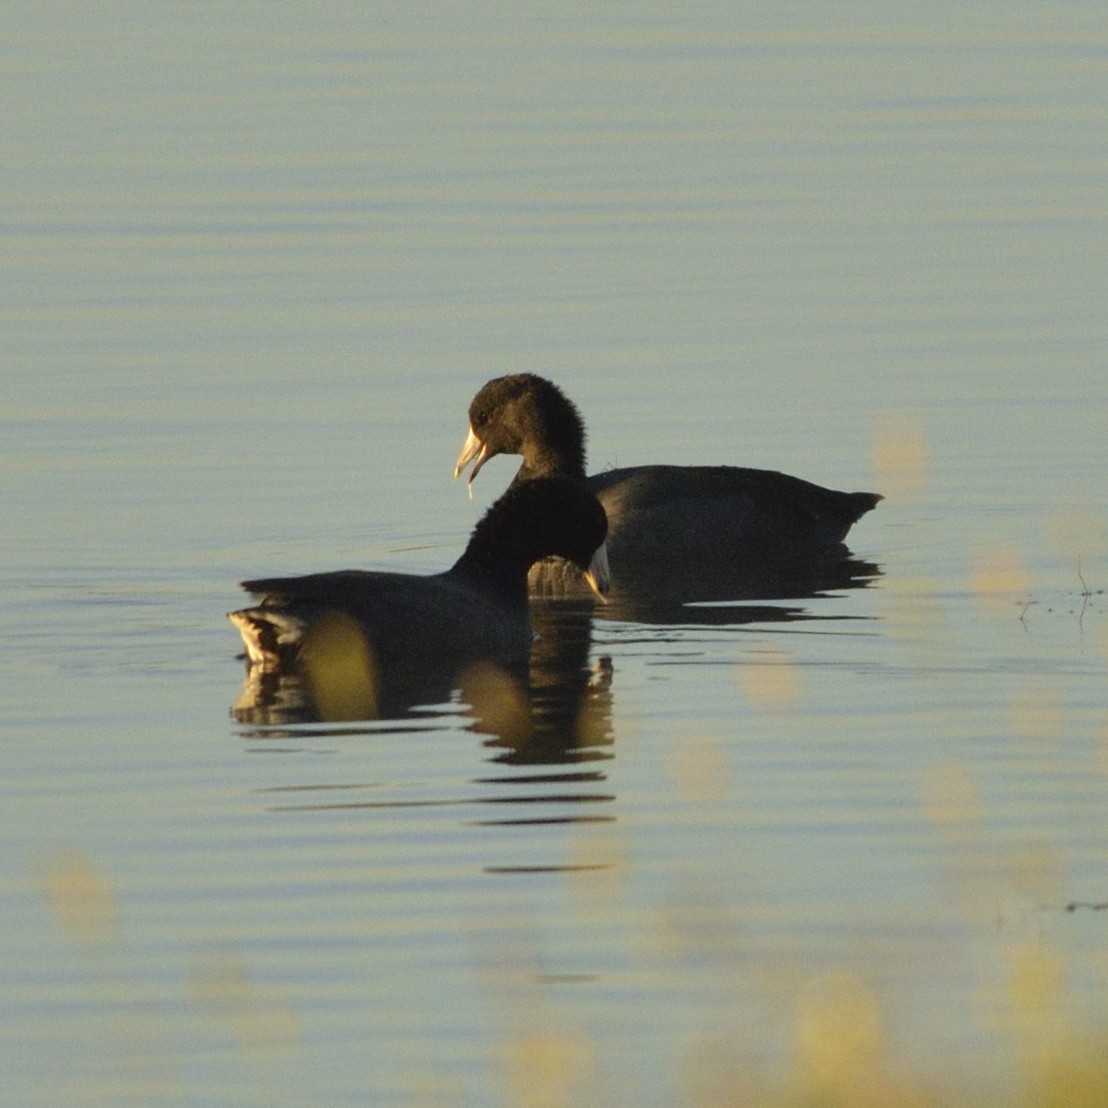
(751, 594)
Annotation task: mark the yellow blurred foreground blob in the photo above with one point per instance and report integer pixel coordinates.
(700, 769)
(548, 1069)
(1080, 535)
(337, 666)
(841, 1045)
(499, 705)
(1037, 711)
(1066, 1066)
(1000, 580)
(541, 1062)
(773, 682)
(901, 456)
(952, 802)
(79, 898)
(838, 1028)
(597, 865)
(842, 1049)
(220, 989)
(915, 612)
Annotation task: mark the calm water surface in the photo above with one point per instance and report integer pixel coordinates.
(257, 260)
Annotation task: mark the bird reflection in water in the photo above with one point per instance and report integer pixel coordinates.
(335, 677)
(758, 597)
(555, 708)
(569, 703)
(549, 710)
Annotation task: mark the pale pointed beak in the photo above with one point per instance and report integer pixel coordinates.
(598, 574)
(472, 448)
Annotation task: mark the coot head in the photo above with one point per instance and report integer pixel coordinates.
(527, 415)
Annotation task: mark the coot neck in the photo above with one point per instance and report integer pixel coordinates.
(549, 460)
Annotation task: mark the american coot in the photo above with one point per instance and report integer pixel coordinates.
(691, 532)
(370, 643)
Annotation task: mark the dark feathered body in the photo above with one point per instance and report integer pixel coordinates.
(695, 529)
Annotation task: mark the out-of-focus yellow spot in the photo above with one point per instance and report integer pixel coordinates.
(914, 612)
(1038, 873)
(952, 802)
(221, 990)
(773, 682)
(1073, 1075)
(1037, 712)
(499, 704)
(839, 1033)
(1037, 984)
(79, 898)
(597, 864)
(1079, 535)
(701, 771)
(548, 1070)
(434, 1088)
(1065, 1067)
(338, 667)
(841, 1049)
(717, 1072)
(1000, 579)
(901, 456)
(697, 921)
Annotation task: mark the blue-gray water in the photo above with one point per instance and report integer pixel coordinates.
(257, 259)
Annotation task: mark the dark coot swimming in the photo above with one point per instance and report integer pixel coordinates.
(699, 532)
(407, 637)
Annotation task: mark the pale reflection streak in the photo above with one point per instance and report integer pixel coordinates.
(952, 804)
(499, 703)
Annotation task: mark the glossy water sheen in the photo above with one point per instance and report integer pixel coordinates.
(258, 257)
